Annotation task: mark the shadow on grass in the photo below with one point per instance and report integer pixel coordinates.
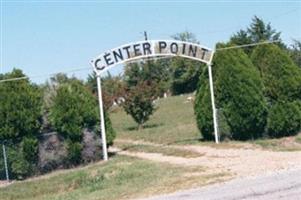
(112, 154)
(146, 126)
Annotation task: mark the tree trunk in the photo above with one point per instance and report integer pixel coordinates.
(140, 127)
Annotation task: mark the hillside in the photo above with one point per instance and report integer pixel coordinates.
(173, 122)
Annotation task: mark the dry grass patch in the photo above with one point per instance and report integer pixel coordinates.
(164, 150)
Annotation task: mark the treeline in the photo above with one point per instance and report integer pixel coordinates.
(258, 89)
(63, 106)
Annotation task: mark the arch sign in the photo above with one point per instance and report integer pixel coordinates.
(151, 48)
(147, 49)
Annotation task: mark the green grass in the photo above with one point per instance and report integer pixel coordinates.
(120, 178)
(172, 123)
(167, 151)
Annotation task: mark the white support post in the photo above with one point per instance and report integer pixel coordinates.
(5, 162)
(102, 120)
(213, 104)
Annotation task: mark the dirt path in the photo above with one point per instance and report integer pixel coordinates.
(240, 162)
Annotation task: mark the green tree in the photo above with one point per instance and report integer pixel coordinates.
(74, 108)
(156, 73)
(185, 72)
(185, 36)
(139, 102)
(185, 75)
(20, 122)
(260, 31)
(282, 87)
(238, 90)
(257, 31)
(112, 88)
(281, 77)
(20, 110)
(202, 107)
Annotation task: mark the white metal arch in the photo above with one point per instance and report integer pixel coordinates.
(145, 49)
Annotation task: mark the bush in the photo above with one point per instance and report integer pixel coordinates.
(110, 132)
(284, 119)
(74, 152)
(21, 106)
(238, 91)
(20, 167)
(73, 109)
(30, 149)
(20, 123)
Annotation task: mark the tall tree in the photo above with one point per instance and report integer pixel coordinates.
(281, 77)
(238, 90)
(185, 72)
(185, 36)
(257, 31)
(260, 31)
(282, 87)
(154, 72)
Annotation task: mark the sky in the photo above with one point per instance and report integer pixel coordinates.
(45, 37)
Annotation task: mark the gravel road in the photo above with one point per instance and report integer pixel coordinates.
(275, 186)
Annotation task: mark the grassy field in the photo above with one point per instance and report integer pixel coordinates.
(120, 178)
(172, 123)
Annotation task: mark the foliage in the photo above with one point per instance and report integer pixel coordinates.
(74, 152)
(260, 31)
(284, 119)
(139, 102)
(20, 167)
(110, 132)
(185, 72)
(295, 52)
(185, 36)
(75, 108)
(30, 149)
(20, 110)
(156, 73)
(238, 90)
(281, 77)
(185, 75)
(112, 88)
(202, 107)
(20, 122)
(257, 31)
